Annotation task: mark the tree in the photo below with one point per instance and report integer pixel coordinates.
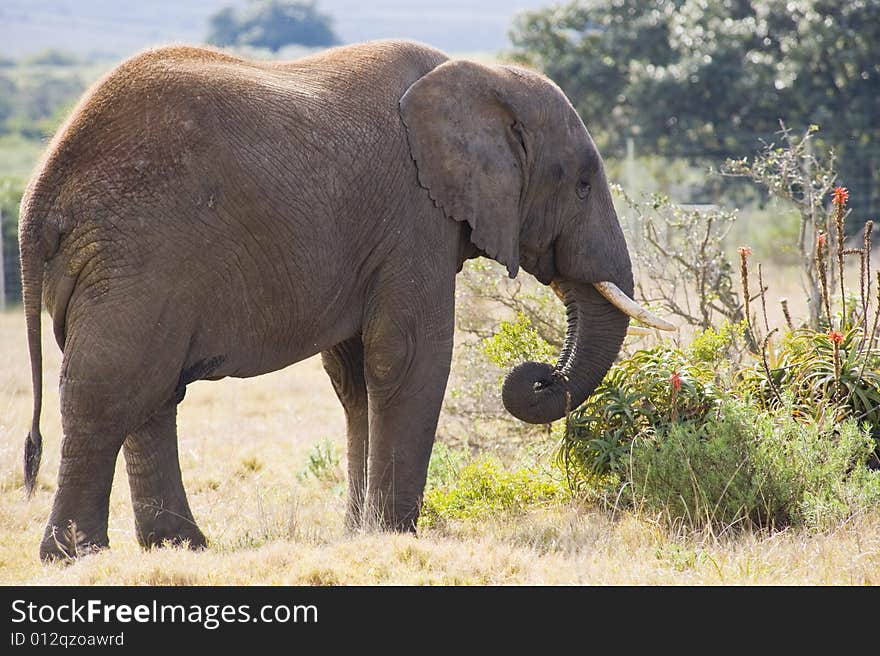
(715, 76)
(588, 48)
(272, 24)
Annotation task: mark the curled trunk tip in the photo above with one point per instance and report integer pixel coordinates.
(540, 393)
(529, 392)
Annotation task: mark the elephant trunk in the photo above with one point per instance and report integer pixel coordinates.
(539, 393)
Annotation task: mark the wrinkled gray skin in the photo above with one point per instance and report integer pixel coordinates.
(202, 216)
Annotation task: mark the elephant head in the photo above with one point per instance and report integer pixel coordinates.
(502, 149)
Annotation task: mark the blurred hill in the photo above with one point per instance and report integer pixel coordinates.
(112, 29)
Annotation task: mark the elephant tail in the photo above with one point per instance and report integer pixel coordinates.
(32, 247)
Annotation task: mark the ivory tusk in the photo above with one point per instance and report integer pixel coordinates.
(638, 330)
(629, 307)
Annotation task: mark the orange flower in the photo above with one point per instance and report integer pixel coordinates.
(841, 195)
(835, 336)
(821, 239)
(744, 251)
(675, 379)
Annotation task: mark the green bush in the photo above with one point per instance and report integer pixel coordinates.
(516, 342)
(323, 464)
(742, 465)
(691, 435)
(639, 395)
(444, 465)
(745, 425)
(483, 488)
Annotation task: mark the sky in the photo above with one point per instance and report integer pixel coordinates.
(114, 28)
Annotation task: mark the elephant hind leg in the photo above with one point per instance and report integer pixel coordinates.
(92, 438)
(117, 370)
(77, 524)
(161, 509)
(344, 363)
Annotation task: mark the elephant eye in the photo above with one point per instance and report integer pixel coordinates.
(583, 189)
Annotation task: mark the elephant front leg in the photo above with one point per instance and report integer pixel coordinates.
(344, 363)
(407, 365)
(161, 509)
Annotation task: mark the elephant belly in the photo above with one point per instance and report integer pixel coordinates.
(247, 346)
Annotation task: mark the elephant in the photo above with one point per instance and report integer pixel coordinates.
(202, 216)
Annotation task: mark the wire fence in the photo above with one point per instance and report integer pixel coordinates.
(10, 273)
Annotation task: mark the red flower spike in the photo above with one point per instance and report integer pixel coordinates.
(835, 336)
(841, 195)
(822, 239)
(745, 251)
(675, 379)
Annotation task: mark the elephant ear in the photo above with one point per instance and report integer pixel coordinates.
(469, 147)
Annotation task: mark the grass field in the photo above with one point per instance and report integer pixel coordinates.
(244, 445)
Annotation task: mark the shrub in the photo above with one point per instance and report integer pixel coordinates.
(681, 258)
(743, 465)
(743, 425)
(484, 488)
(498, 320)
(516, 342)
(791, 172)
(639, 395)
(444, 465)
(825, 374)
(689, 438)
(830, 369)
(323, 464)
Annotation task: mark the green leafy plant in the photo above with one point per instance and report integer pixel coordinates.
(804, 366)
(746, 466)
(444, 465)
(323, 463)
(533, 328)
(652, 388)
(718, 348)
(712, 445)
(484, 488)
(830, 369)
(517, 341)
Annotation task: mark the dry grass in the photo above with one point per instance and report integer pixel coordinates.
(243, 444)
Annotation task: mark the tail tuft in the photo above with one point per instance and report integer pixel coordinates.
(33, 451)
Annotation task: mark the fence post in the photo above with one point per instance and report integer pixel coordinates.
(629, 174)
(2, 269)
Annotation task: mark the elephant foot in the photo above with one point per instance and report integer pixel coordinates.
(403, 517)
(391, 522)
(354, 516)
(406, 524)
(158, 527)
(67, 544)
(192, 539)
